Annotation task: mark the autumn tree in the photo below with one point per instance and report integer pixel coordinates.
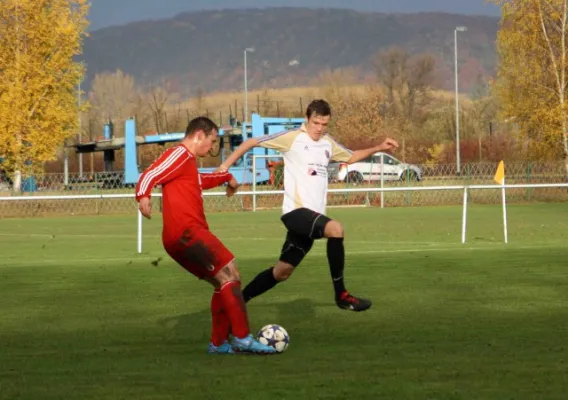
(531, 81)
(358, 122)
(114, 94)
(160, 97)
(336, 83)
(39, 75)
(407, 80)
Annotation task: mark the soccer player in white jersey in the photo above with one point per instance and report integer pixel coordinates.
(307, 152)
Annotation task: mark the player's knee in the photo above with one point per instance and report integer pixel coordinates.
(228, 273)
(333, 229)
(282, 271)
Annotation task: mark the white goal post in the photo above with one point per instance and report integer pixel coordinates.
(254, 193)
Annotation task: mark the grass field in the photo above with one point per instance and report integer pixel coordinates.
(85, 317)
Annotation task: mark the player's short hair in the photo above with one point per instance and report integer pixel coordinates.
(201, 124)
(318, 107)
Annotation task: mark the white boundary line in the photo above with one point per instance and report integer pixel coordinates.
(136, 258)
(228, 239)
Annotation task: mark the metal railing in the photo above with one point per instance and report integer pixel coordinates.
(104, 194)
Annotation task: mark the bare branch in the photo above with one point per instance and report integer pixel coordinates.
(549, 44)
(37, 102)
(547, 88)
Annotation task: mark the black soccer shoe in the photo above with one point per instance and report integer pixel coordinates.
(348, 302)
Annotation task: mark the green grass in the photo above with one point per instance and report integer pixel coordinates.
(85, 317)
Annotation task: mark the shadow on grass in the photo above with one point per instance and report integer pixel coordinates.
(299, 313)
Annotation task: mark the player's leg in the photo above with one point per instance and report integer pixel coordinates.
(305, 222)
(220, 324)
(333, 231)
(232, 300)
(219, 264)
(293, 252)
(203, 255)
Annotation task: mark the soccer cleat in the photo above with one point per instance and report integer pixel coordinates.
(250, 345)
(225, 348)
(348, 302)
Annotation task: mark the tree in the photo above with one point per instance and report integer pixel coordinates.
(159, 97)
(358, 122)
(336, 83)
(407, 80)
(531, 80)
(39, 40)
(114, 94)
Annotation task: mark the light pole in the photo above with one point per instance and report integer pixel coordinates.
(250, 50)
(79, 131)
(458, 161)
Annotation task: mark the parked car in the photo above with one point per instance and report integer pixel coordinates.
(370, 170)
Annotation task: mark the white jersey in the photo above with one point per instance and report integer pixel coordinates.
(305, 167)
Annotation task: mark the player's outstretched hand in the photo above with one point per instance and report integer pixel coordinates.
(220, 168)
(145, 207)
(232, 187)
(388, 144)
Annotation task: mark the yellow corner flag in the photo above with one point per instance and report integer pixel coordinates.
(500, 174)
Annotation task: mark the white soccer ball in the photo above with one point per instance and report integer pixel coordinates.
(274, 336)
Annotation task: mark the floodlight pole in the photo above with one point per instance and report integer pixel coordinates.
(251, 50)
(458, 160)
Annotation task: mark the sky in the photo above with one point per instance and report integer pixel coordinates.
(118, 12)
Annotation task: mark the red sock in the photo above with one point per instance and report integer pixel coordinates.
(235, 308)
(220, 320)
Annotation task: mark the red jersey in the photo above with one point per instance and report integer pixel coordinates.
(182, 185)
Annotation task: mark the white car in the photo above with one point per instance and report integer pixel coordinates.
(370, 170)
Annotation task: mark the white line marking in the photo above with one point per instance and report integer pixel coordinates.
(136, 258)
(228, 238)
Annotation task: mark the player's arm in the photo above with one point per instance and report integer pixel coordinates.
(343, 154)
(240, 151)
(163, 170)
(281, 141)
(209, 181)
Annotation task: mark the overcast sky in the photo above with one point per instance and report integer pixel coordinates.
(117, 12)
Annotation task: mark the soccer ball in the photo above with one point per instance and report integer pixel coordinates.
(274, 336)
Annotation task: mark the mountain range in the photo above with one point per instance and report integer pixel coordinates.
(205, 50)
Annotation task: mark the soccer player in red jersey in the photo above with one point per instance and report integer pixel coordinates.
(186, 236)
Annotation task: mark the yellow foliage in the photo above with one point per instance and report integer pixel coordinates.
(38, 78)
(532, 72)
(434, 154)
(357, 118)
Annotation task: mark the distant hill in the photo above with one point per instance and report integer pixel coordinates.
(292, 46)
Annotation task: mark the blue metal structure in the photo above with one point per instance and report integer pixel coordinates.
(28, 184)
(242, 170)
(259, 126)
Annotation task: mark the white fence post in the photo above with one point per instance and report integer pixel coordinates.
(139, 232)
(382, 181)
(254, 183)
(464, 215)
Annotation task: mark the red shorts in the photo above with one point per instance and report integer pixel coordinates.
(200, 252)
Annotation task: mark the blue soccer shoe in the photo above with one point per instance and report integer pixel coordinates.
(225, 348)
(250, 345)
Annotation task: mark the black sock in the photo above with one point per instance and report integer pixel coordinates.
(262, 283)
(336, 258)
